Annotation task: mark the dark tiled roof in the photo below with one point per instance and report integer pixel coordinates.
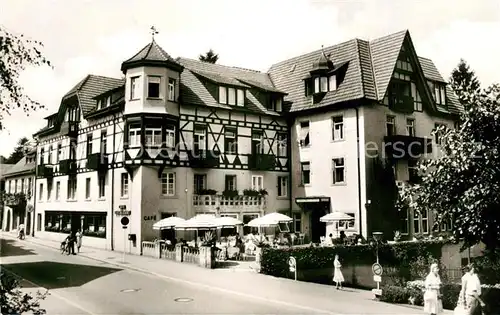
(430, 70)
(90, 87)
(4, 168)
(19, 168)
(152, 52)
(194, 92)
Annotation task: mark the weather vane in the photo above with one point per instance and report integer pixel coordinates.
(153, 32)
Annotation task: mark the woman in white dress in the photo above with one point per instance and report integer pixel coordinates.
(432, 296)
(338, 278)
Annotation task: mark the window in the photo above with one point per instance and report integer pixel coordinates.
(438, 135)
(230, 141)
(324, 84)
(240, 97)
(89, 144)
(168, 184)
(170, 137)
(440, 94)
(275, 104)
(73, 114)
(102, 185)
(413, 176)
(338, 170)
(72, 149)
(40, 194)
(87, 188)
(171, 90)
(306, 173)
(257, 142)
(425, 221)
(282, 144)
(417, 105)
(71, 195)
(200, 138)
(134, 135)
(332, 83)
(200, 183)
(410, 127)
(391, 125)
(316, 85)
(59, 152)
(304, 134)
(152, 137)
(22, 186)
(231, 96)
(222, 95)
(416, 222)
(42, 155)
(230, 182)
(338, 128)
(404, 222)
(297, 222)
(50, 155)
(104, 141)
(30, 187)
(154, 86)
(124, 185)
(282, 186)
(404, 65)
(135, 88)
(257, 182)
(247, 229)
(49, 190)
(58, 191)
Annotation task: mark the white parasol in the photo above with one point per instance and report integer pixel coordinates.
(168, 223)
(227, 222)
(335, 217)
(199, 222)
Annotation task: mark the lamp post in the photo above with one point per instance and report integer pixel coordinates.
(377, 236)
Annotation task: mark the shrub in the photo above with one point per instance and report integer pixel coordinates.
(488, 267)
(394, 294)
(14, 301)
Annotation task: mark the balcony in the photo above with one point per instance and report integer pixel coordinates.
(97, 161)
(45, 171)
(69, 128)
(405, 147)
(67, 167)
(14, 199)
(203, 158)
(222, 204)
(401, 103)
(262, 162)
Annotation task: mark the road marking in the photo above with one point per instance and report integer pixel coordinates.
(50, 292)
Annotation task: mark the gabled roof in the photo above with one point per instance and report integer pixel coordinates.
(194, 92)
(151, 54)
(90, 87)
(4, 168)
(20, 168)
(369, 71)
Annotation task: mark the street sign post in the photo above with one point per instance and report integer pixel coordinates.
(377, 277)
(292, 263)
(124, 221)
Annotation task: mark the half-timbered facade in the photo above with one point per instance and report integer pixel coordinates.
(181, 137)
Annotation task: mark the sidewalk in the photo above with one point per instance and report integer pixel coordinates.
(310, 297)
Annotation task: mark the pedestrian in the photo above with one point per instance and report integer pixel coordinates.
(71, 243)
(432, 296)
(338, 277)
(470, 294)
(78, 240)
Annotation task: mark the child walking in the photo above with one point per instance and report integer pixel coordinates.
(338, 278)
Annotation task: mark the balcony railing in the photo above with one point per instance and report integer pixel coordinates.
(404, 147)
(67, 167)
(69, 128)
(45, 171)
(262, 162)
(15, 199)
(401, 103)
(97, 161)
(221, 204)
(203, 158)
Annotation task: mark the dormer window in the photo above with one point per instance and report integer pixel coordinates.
(231, 96)
(134, 88)
(440, 94)
(276, 104)
(154, 83)
(73, 114)
(322, 84)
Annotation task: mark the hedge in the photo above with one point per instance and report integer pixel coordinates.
(414, 295)
(402, 255)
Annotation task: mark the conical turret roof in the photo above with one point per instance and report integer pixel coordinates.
(151, 55)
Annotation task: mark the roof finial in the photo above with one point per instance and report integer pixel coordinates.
(153, 32)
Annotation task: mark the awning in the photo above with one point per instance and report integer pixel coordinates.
(312, 199)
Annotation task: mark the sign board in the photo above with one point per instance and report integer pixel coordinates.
(377, 292)
(292, 262)
(124, 221)
(377, 278)
(123, 212)
(377, 269)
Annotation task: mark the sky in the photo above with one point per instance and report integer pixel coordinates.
(95, 36)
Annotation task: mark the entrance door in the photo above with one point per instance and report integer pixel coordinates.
(7, 223)
(28, 223)
(318, 228)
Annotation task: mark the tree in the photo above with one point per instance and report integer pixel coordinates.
(14, 301)
(463, 80)
(17, 52)
(209, 57)
(463, 183)
(19, 151)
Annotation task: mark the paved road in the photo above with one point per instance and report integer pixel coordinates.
(78, 285)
